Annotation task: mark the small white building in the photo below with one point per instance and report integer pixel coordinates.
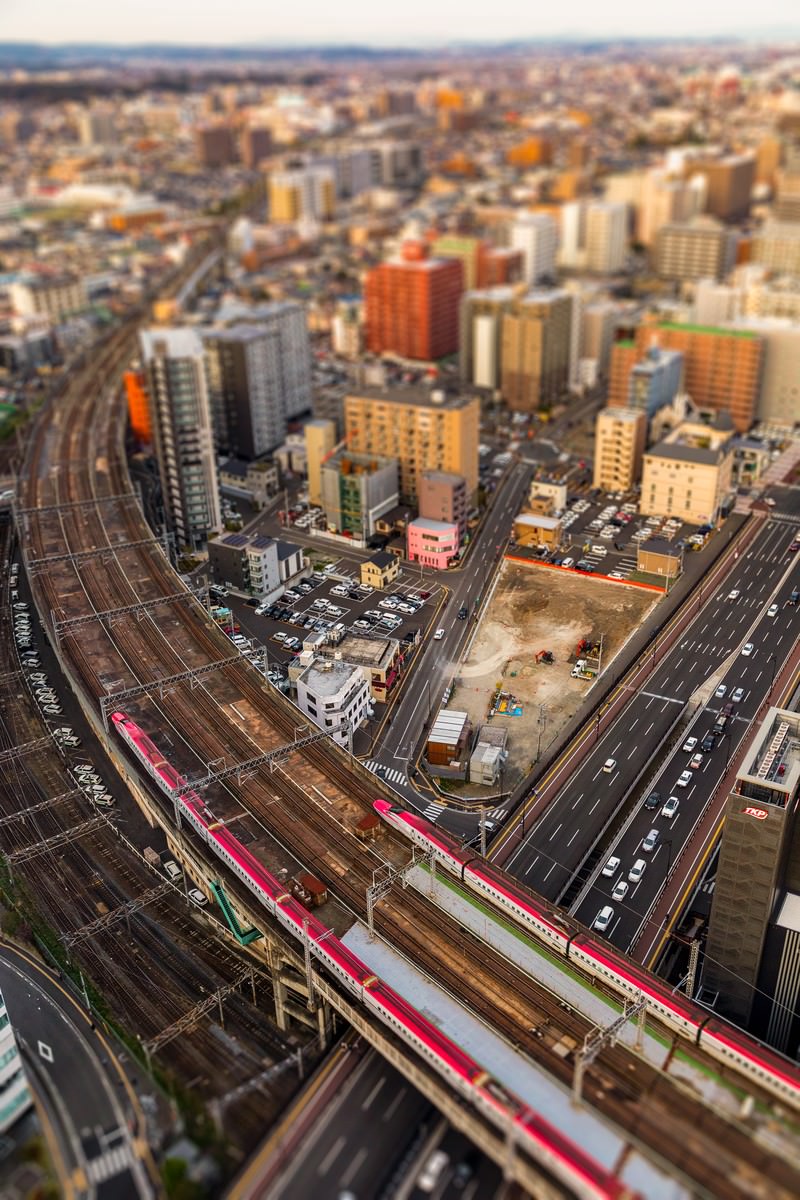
(331, 691)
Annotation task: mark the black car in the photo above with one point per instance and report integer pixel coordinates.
(463, 613)
(653, 800)
(708, 743)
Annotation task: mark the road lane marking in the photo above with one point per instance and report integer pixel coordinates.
(331, 1156)
(368, 1101)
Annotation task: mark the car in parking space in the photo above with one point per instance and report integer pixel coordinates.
(690, 744)
(653, 801)
(733, 594)
(737, 694)
(609, 765)
(362, 624)
(197, 897)
(684, 779)
(620, 890)
(671, 806)
(616, 575)
(374, 614)
(650, 841)
(611, 866)
(568, 562)
(637, 871)
(747, 649)
(696, 761)
(772, 611)
(603, 918)
(721, 691)
(437, 637)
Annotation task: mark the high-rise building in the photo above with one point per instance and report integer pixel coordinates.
(215, 145)
(255, 145)
(484, 265)
(620, 438)
(16, 1093)
(259, 378)
(423, 428)
(597, 331)
(624, 356)
(688, 474)
(779, 392)
(776, 245)
(320, 439)
(572, 248)
(412, 305)
(716, 303)
(535, 350)
(722, 366)
(666, 199)
(699, 249)
(729, 182)
(751, 971)
(606, 237)
(536, 236)
(56, 295)
(655, 380)
(305, 193)
(97, 126)
(138, 405)
(481, 335)
(180, 415)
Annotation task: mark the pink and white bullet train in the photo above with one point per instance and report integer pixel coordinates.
(569, 939)
(565, 1160)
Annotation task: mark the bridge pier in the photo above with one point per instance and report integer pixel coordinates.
(293, 999)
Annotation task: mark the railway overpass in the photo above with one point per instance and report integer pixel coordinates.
(306, 807)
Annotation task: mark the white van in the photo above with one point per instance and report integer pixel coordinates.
(172, 870)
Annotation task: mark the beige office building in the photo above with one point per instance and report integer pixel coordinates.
(777, 246)
(700, 249)
(688, 474)
(620, 439)
(424, 429)
(606, 237)
(320, 439)
(308, 192)
(535, 350)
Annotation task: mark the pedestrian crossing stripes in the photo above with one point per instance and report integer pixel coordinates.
(433, 811)
(496, 814)
(390, 774)
(109, 1164)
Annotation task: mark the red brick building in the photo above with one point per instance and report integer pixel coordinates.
(412, 305)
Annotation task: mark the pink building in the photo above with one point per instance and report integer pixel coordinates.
(432, 543)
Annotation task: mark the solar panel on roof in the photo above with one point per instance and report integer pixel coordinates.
(261, 541)
(235, 539)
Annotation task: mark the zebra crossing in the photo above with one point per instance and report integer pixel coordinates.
(110, 1163)
(433, 811)
(390, 774)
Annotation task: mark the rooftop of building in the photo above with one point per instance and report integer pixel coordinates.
(327, 676)
(626, 415)
(234, 466)
(368, 651)
(772, 759)
(348, 462)
(448, 726)
(416, 395)
(714, 330)
(695, 441)
(537, 521)
(450, 478)
(427, 523)
(381, 559)
(287, 549)
(178, 342)
(660, 545)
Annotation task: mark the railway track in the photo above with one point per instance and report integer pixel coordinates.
(89, 471)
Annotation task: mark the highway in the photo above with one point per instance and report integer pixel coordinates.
(85, 1090)
(558, 843)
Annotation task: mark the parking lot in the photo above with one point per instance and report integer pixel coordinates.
(602, 536)
(333, 602)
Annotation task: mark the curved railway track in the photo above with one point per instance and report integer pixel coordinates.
(76, 466)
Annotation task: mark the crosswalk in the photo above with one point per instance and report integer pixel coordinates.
(433, 811)
(107, 1165)
(390, 774)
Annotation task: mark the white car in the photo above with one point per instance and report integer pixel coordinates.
(620, 890)
(747, 649)
(734, 594)
(721, 690)
(671, 806)
(609, 765)
(603, 918)
(684, 779)
(637, 870)
(772, 611)
(611, 866)
(568, 562)
(437, 637)
(690, 744)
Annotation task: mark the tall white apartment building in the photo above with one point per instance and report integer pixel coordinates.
(180, 413)
(331, 691)
(536, 235)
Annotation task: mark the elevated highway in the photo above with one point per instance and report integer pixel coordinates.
(310, 805)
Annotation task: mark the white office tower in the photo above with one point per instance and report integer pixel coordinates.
(180, 412)
(536, 235)
(15, 1095)
(606, 237)
(715, 303)
(572, 251)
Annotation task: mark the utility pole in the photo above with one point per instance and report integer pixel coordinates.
(691, 974)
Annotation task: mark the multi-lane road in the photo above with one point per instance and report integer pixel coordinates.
(707, 653)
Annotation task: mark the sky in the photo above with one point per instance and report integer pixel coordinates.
(377, 22)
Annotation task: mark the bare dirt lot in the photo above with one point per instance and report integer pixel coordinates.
(534, 608)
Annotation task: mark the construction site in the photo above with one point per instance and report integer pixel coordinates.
(541, 641)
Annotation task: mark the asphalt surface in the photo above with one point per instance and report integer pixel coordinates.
(362, 1140)
(560, 840)
(82, 1083)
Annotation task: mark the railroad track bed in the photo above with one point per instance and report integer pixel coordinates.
(316, 799)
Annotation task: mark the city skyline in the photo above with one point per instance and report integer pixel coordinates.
(357, 22)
